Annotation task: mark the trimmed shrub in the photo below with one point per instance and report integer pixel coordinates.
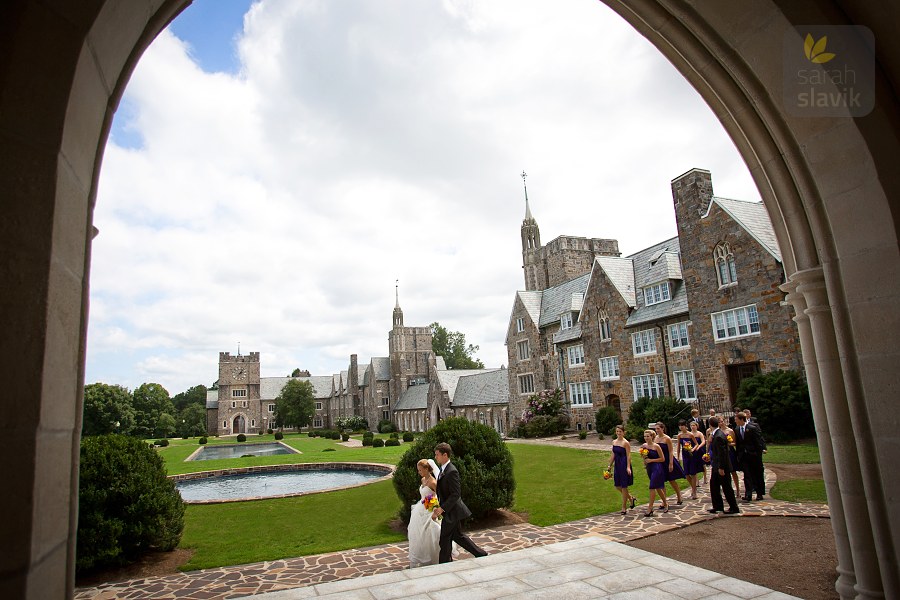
(369, 435)
(367, 441)
(269, 431)
(484, 462)
(408, 436)
(279, 435)
(353, 423)
(542, 426)
(378, 443)
(260, 432)
(606, 419)
(779, 400)
(582, 435)
(126, 505)
(651, 410)
(385, 426)
(241, 437)
(394, 435)
(163, 442)
(202, 441)
(392, 442)
(311, 433)
(335, 435)
(345, 437)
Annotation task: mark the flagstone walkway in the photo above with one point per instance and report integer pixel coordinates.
(258, 578)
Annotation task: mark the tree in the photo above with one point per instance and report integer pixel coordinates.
(191, 420)
(295, 405)
(779, 401)
(193, 395)
(165, 426)
(107, 409)
(150, 400)
(452, 346)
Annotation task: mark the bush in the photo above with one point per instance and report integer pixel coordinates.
(484, 462)
(163, 442)
(392, 442)
(652, 410)
(311, 433)
(408, 436)
(779, 400)
(606, 419)
(241, 437)
(279, 435)
(369, 435)
(260, 432)
(202, 441)
(126, 505)
(329, 450)
(352, 423)
(378, 443)
(394, 435)
(385, 426)
(367, 441)
(547, 403)
(269, 431)
(582, 435)
(345, 437)
(542, 426)
(335, 435)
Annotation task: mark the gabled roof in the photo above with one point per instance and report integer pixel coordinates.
(449, 379)
(382, 367)
(657, 263)
(270, 387)
(565, 297)
(678, 305)
(567, 335)
(620, 272)
(361, 374)
(482, 388)
(440, 363)
(753, 217)
(532, 303)
(415, 396)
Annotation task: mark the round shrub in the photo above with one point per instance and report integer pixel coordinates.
(606, 419)
(279, 435)
(311, 433)
(163, 442)
(202, 440)
(345, 437)
(369, 435)
(484, 462)
(394, 435)
(335, 435)
(126, 505)
(260, 432)
(582, 435)
(269, 431)
(652, 410)
(408, 436)
(386, 426)
(241, 437)
(378, 443)
(779, 400)
(367, 441)
(392, 442)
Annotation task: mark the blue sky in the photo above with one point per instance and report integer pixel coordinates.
(271, 174)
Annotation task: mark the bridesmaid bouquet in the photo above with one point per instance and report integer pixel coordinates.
(607, 474)
(644, 452)
(730, 439)
(687, 446)
(706, 458)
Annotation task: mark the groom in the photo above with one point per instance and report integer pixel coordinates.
(451, 506)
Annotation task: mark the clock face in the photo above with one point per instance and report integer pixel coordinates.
(239, 373)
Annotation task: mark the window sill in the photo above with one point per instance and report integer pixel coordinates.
(679, 348)
(610, 379)
(738, 337)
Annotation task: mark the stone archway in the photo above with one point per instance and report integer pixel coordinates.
(239, 424)
(830, 185)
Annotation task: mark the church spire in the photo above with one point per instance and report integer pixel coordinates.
(531, 247)
(528, 217)
(398, 313)
(397, 293)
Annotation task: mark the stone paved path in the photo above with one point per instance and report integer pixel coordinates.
(244, 580)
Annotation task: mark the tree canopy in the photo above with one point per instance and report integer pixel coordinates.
(193, 395)
(295, 405)
(107, 409)
(151, 400)
(452, 346)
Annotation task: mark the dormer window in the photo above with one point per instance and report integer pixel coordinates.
(659, 292)
(726, 271)
(566, 321)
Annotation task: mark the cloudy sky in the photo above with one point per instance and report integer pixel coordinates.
(275, 167)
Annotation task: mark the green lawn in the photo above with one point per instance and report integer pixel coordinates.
(792, 454)
(800, 490)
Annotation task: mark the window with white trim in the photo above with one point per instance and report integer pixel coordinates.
(644, 342)
(244, 404)
(735, 323)
(318, 406)
(605, 333)
(654, 294)
(726, 271)
(678, 336)
(576, 355)
(526, 384)
(271, 408)
(565, 321)
(317, 422)
(524, 350)
(648, 386)
(684, 385)
(609, 368)
(520, 324)
(233, 404)
(238, 393)
(580, 393)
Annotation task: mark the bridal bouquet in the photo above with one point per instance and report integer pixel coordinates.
(430, 502)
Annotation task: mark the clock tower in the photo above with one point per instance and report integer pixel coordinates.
(240, 410)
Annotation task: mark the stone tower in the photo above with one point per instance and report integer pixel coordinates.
(535, 268)
(239, 407)
(409, 352)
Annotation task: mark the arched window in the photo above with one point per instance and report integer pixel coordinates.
(726, 272)
(603, 318)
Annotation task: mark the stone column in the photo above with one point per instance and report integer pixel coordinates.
(811, 284)
(846, 575)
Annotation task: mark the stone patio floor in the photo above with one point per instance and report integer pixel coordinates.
(518, 552)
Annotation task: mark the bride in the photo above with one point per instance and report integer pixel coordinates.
(424, 533)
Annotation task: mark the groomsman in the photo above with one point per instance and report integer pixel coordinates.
(750, 447)
(695, 417)
(720, 480)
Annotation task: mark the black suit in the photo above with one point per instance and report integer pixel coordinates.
(718, 455)
(455, 512)
(750, 446)
(701, 424)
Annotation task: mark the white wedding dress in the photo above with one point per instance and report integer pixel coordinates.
(424, 534)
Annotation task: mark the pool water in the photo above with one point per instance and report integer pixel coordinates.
(237, 451)
(263, 485)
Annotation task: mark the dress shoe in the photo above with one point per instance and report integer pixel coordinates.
(747, 499)
(759, 497)
(732, 512)
(714, 511)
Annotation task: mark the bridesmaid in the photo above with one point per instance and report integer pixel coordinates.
(653, 460)
(686, 443)
(622, 475)
(732, 456)
(673, 467)
(699, 450)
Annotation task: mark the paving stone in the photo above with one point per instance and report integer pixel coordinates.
(629, 579)
(409, 587)
(486, 590)
(574, 590)
(560, 575)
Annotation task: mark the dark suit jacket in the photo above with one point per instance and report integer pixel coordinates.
(449, 490)
(718, 451)
(751, 443)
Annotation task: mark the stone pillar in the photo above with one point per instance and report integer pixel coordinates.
(811, 284)
(846, 575)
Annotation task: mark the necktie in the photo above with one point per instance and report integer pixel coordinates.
(742, 431)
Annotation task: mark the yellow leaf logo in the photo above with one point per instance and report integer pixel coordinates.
(815, 50)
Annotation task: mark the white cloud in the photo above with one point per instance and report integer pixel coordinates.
(362, 143)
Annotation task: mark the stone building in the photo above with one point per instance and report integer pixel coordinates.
(688, 317)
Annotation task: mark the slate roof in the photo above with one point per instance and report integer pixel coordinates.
(382, 367)
(212, 398)
(449, 379)
(753, 217)
(415, 396)
(532, 303)
(565, 297)
(440, 363)
(482, 388)
(270, 387)
(620, 272)
(361, 374)
(573, 333)
(652, 265)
